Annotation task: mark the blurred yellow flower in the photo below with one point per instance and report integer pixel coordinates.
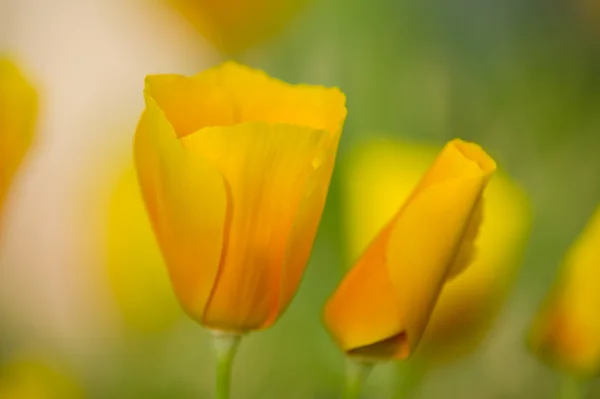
(382, 306)
(566, 332)
(380, 175)
(18, 109)
(136, 273)
(233, 26)
(32, 378)
(234, 168)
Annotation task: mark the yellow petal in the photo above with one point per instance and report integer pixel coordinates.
(422, 246)
(267, 168)
(233, 26)
(304, 229)
(419, 249)
(467, 251)
(18, 109)
(567, 331)
(376, 179)
(192, 103)
(187, 203)
(231, 93)
(363, 311)
(259, 97)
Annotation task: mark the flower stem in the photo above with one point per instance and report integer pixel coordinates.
(571, 388)
(225, 345)
(356, 374)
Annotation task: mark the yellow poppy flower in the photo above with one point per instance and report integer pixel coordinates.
(377, 177)
(381, 308)
(234, 168)
(233, 26)
(18, 109)
(566, 333)
(137, 277)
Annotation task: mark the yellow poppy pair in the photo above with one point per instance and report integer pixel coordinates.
(234, 168)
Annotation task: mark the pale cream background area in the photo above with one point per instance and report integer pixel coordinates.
(89, 59)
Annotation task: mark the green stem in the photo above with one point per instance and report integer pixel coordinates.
(225, 345)
(356, 375)
(571, 388)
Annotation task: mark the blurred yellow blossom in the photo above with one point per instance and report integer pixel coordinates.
(379, 175)
(234, 168)
(381, 308)
(136, 273)
(566, 332)
(233, 26)
(34, 378)
(18, 109)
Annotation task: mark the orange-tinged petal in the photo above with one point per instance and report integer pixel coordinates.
(187, 203)
(363, 311)
(18, 109)
(423, 244)
(304, 229)
(566, 333)
(266, 167)
(418, 249)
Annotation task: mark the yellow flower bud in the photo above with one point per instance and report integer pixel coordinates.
(377, 177)
(383, 305)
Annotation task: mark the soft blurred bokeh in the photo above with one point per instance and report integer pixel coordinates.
(85, 305)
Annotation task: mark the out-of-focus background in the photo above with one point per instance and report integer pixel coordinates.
(85, 308)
